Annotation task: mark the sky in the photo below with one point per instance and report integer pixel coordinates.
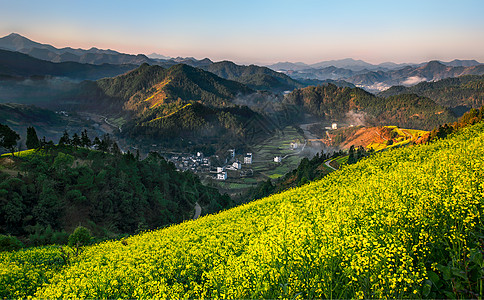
(260, 32)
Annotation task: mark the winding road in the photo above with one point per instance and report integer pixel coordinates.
(327, 163)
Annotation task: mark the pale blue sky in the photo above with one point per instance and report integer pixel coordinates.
(262, 31)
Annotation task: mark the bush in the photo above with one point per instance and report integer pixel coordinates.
(9, 243)
(80, 237)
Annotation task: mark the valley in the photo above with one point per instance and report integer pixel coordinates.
(127, 175)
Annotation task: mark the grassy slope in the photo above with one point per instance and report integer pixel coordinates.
(387, 226)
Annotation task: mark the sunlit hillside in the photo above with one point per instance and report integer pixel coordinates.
(404, 223)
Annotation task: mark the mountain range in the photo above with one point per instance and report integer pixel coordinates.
(360, 65)
(16, 42)
(379, 80)
(16, 65)
(22, 59)
(208, 102)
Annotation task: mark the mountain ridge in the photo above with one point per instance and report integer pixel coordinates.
(23, 65)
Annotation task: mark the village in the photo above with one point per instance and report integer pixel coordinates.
(238, 166)
(198, 163)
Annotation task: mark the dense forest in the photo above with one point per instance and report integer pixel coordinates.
(45, 193)
(234, 126)
(467, 91)
(334, 103)
(255, 77)
(178, 82)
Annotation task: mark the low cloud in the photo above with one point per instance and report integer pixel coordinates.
(413, 80)
(355, 118)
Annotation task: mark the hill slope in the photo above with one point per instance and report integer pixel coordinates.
(466, 91)
(150, 86)
(258, 78)
(175, 103)
(333, 103)
(63, 187)
(400, 229)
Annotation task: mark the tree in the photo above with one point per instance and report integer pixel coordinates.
(9, 243)
(96, 143)
(85, 141)
(8, 138)
(76, 140)
(351, 156)
(80, 237)
(114, 149)
(65, 139)
(32, 139)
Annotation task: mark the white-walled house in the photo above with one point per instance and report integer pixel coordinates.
(222, 176)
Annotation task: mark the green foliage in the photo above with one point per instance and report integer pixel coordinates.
(182, 81)
(80, 237)
(8, 138)
(472, 117)
(32, 139)
(110, 194)
(334, 103)
(199, 123)
(465, 91)
(9, 243)
(255, 77)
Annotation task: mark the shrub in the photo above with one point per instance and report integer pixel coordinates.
(80, 237)
(9, 243)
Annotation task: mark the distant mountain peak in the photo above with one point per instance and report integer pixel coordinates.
(14, 34)
(435, 62)
(158, 56)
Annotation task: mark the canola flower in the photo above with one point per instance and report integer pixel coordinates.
(22, 272)
(378, 229)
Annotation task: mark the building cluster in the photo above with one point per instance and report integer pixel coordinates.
(234, 164)
(196, 163)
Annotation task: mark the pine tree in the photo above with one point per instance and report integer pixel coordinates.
(96, 143)
(32, 139)
(76, 140)
(85, 141)
(351, 156)
(65, 139)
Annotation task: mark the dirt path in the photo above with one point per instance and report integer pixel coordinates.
(198, 211)
(110, 124)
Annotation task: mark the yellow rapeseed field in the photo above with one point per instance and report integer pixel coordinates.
(404, 223)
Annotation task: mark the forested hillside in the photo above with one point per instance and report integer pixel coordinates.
(333, 103)
(467, 91)
(255, 77)
(46, 193)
